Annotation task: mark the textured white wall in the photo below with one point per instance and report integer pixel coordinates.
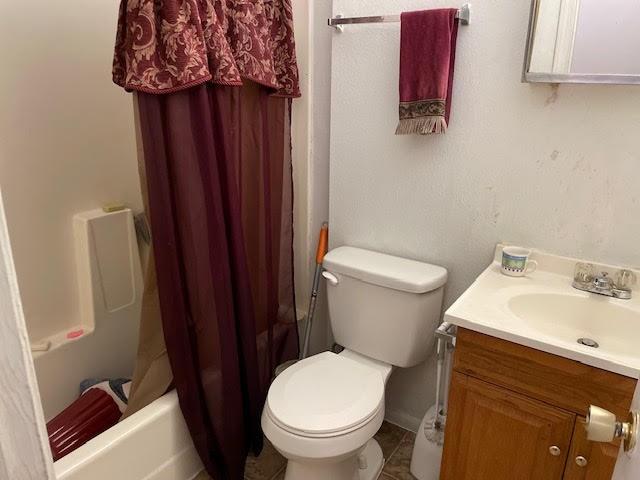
(67, 144)
(555, 168)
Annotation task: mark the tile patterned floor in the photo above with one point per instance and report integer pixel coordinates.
(396, 444)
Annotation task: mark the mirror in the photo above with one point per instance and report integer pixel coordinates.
(583, 41)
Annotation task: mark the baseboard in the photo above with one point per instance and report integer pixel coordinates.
(403, 419)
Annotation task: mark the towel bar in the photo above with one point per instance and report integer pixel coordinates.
(337, 22)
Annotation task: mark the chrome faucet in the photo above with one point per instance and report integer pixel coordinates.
(586, 280)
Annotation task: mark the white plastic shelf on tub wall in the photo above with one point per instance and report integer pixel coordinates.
(110, 292)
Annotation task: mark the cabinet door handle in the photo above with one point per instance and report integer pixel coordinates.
(581, 461)
(555, 450)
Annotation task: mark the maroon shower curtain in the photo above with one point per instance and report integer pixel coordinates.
(215, 80)
(220, 198)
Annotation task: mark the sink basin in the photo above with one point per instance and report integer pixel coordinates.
(569, 318)
(543, 311)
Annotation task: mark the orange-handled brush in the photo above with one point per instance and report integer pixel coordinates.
(323, 242)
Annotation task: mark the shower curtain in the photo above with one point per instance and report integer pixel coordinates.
(214, 81)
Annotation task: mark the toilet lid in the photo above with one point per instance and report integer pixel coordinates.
(326, 393)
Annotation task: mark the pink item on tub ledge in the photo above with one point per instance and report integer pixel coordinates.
(75, 333)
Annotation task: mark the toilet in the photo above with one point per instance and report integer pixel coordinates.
(321, 413)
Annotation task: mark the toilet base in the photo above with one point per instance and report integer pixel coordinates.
(374, 459)
(370, 459)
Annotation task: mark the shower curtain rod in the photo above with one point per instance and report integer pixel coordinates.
(463, 15)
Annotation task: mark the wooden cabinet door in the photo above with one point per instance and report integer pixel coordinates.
(600, 457)
(495, 434)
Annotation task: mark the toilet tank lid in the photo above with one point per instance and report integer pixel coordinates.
(385, 270)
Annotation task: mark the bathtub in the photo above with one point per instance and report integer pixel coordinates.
(152, 444)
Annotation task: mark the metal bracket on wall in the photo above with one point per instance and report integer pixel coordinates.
(447, 333)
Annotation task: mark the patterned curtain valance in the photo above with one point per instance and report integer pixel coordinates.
(167, 45)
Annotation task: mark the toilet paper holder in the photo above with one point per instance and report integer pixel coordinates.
(602, 426)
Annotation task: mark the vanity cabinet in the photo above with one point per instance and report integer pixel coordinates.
(500, 434)
(516, 413)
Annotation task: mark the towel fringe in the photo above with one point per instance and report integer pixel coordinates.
(422, 125)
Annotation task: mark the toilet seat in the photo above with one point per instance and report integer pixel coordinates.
(325, 395)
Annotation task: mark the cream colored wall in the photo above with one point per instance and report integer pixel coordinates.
(300, 125)
(320, 133)
(67, 144)
(310, 137)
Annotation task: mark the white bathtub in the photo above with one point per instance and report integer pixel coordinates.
(152, 444)
(110, 291)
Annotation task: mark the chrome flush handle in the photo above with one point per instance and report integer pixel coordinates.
(331, 278)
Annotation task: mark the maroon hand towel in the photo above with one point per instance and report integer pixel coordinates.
(427, 58)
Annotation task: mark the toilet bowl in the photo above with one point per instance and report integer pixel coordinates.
(322, 413)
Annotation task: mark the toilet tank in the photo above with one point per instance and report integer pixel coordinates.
(382, 306)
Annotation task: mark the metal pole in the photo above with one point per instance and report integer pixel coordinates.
(320, 252)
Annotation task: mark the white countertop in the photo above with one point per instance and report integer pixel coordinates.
(487, 307)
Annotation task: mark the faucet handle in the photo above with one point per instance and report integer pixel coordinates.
(625, 279)
(583, 272)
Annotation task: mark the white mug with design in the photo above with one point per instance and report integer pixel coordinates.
(516, 263)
